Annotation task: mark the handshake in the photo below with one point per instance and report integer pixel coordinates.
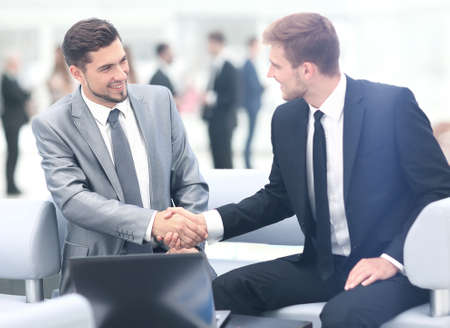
(179, 228)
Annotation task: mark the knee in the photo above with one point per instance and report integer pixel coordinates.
(336, 315)
(233, 291)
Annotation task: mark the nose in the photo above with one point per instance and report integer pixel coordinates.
(121, 73)
(270, 72)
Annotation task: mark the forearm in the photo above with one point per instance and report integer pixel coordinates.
(109, 216)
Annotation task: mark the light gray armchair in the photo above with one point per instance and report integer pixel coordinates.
(29, 248)
(427, 251)
(69, 311)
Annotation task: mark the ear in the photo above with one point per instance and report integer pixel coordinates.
(77, 73)
(309, 70)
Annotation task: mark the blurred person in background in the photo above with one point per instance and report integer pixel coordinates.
(14, 117)
(220, 103)
(161, 76)
(132, 76)
(60, 83)
(252, 90)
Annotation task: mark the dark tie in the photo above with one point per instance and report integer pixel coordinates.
(123, 161)
(323, 236)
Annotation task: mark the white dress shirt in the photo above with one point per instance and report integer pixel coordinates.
(131, 129)
(333, 125)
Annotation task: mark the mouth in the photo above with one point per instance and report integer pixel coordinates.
(118, 86)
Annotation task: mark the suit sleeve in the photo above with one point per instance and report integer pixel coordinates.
(71, 191)
(267, 206)
(422, 162)
(188, 188)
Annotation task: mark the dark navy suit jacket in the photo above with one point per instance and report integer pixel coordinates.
(393, 167)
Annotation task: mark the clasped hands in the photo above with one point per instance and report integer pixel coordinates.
(178, 228)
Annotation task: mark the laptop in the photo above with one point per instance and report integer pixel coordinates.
(147, 290)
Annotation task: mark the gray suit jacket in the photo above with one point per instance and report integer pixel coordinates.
(83, 182)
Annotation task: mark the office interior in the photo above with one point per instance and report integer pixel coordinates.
(405, 43)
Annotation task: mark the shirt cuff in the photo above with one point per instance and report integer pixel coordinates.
(148, 233)
(214, 225)
(396, 263)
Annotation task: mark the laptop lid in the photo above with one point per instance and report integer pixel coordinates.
(146, 290)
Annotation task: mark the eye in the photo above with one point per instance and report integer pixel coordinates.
(105, 68)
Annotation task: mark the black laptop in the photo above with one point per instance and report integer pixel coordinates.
(147, 290)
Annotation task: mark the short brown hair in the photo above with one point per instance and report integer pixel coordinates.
(306, 37)
(217, 36)
(86, 36)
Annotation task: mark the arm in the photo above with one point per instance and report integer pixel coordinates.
(188, 188)
(73, 194)
(421, 160)
(427, 172)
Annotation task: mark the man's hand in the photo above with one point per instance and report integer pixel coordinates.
(189, 232)
(182, 251)
(173, 239)
(367, 271)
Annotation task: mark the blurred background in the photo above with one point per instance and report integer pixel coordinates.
(405, 43)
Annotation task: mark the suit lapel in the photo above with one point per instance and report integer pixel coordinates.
(294, 138)
(144, 118)
(353, 121)
(86, 125)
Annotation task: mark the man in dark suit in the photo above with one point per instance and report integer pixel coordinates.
(355, 161)
(220, 103)
(14, 117)
(165, 58)
(251, 95)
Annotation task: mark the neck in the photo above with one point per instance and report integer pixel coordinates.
(321, 89)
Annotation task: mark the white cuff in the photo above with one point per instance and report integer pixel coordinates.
(214, 225)
(396, 263)
(148, 233)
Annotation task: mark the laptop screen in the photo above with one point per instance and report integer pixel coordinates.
(146, 290)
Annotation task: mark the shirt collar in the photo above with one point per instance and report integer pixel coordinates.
(218, 61)
(163, 66)
(333, 106)
(101, 112)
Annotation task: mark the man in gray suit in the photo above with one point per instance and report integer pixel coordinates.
(116, 155)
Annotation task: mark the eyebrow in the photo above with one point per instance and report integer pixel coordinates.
(273, 64)
(101, 68)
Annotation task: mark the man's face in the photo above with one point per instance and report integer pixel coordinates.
(104, 79)
(167, 56)
(214, 47)
(292, 84)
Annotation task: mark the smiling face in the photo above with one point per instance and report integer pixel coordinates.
(292, 84)
(104, 78)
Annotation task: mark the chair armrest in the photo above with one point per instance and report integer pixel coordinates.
(427, 254)
(427, 247)
(69, 311)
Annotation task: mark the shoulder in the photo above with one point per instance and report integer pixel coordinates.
(57, 111)
(290, 109)
(147, 91)
(228, 66)
(376, 92)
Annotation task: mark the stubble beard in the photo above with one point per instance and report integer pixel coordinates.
(123, 94)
